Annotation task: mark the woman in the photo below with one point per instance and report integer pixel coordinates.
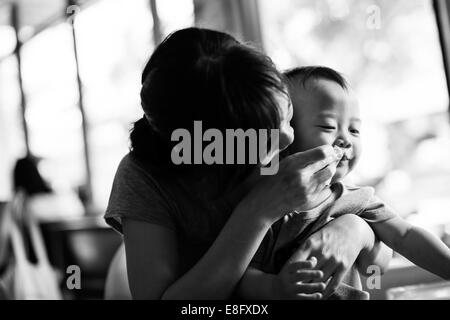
(190, 231)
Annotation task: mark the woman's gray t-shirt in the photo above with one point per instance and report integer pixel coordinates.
(187, 203)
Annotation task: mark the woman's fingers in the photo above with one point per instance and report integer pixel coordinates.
(321, 158)
(315, 158)
(307, 276)
(294, 267)
(310, 288)
(326, 172)
(318, 166)
(315, 296)
(328, 269)
(336, 279)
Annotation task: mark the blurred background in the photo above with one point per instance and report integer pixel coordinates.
(70, 81)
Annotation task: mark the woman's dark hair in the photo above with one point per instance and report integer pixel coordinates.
(28, 178)
(203, 75)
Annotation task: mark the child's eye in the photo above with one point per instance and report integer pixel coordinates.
(354, 131)
(330, 128)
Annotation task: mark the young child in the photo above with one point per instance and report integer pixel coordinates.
(327, 113)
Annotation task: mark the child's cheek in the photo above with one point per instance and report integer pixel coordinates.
(357, 155)
(352, 164)
(316, 139)
(310, 138)
(323, 138)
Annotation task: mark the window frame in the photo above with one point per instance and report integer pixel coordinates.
(442, 14)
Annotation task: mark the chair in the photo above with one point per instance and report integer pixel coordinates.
(87, 243)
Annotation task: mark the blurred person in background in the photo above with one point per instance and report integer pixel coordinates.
(44, 203)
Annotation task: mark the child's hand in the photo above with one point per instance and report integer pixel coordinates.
(296, 281)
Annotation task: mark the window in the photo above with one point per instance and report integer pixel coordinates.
(12, 140)
(175, 15)
(114, 42)
(390, 52)
(53, 118)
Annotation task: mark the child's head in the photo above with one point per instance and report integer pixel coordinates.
(326, 112)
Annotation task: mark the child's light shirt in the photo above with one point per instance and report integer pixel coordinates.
(288, 233)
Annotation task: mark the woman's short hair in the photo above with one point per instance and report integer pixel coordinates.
(203, 75)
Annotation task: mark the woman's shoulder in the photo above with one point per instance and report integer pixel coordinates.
(143, 174)
(137, 193)
(189, 198)
(130, 164)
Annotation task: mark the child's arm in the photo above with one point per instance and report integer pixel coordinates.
(288, 284)
(380, 255)
(416, 244)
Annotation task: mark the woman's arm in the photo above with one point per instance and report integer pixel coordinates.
(152, 268)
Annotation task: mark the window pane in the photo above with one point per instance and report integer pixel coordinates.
(12, 141)
(390, 52)
(175, 15)
(11, 136)
(52, 114)
(33, 13)
(7, 36)
(114, 42)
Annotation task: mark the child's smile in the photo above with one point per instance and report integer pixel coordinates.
(325, 113)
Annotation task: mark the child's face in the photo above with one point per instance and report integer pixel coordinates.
(326, 114)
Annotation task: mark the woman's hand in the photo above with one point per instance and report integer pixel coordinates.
(300, 184)
(336, 247)
(298, 281)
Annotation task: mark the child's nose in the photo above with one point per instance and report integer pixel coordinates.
(343, 142)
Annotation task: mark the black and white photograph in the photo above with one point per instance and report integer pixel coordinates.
(246, 152)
